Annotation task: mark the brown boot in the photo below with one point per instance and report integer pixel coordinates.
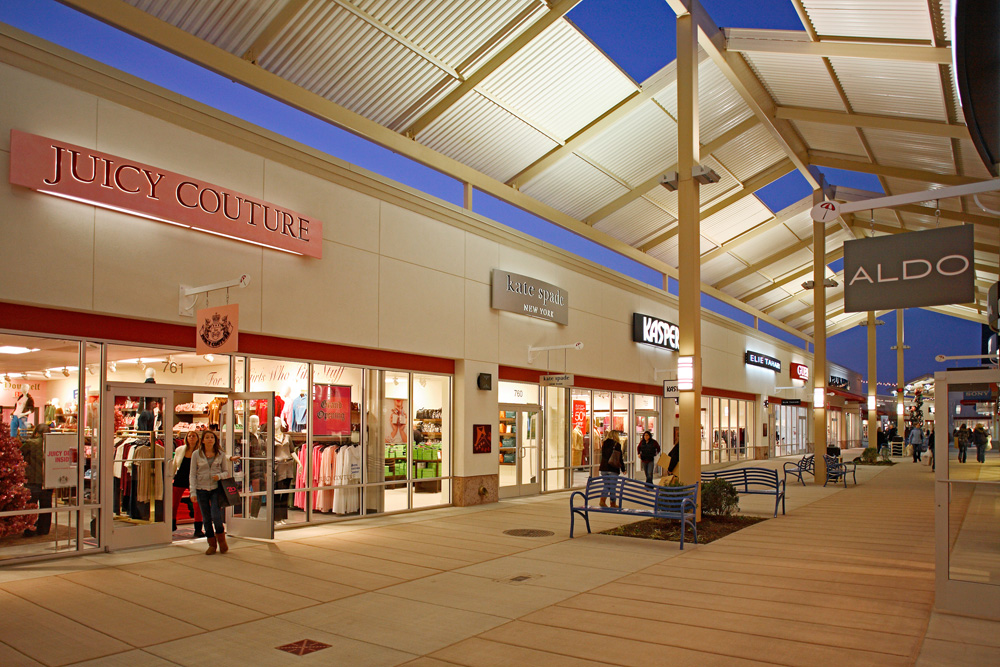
(614, 504)
(604, 502)
(223, 547)
(212, 545)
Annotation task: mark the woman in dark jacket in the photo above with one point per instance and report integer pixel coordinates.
(612, 463)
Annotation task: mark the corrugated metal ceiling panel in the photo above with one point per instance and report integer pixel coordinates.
(333, 53)
(789, 264)
(892, 88)
(773, 296)
(791, 306)
(232, 25)
(575, 187)
(970, 162)
(667, 251)
(635, 222)
(744, 285)
(887, 19)
(905, 149)
(559, 82)
(750, 153)
(720, 267)
(833, 138)
(757, 249)
(733, 220)
(477, 132)
(640, 146)
(800, 224)
(796, 81)
(452, 30)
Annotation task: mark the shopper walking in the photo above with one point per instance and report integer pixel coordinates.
(612, 465)
(182, 479)
(208, 465)
(962, 442)
(980, 439)
(649, 448)
(930, 448)
(916, 441)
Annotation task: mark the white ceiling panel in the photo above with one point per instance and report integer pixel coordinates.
(789, 264)
(640, 146)
(575, 187)
(720, 267)
(750, 283)
(232, 25)
(766, 244)
(477, 132)
(833, 138)
(796, 81)
(892, 88)
(886, 19)
(912, 151)
(750, 153)
(635, 222)
(560, 82)
(733, 220)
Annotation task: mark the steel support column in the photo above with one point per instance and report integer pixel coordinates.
(900, 379)
(689, 245)
(872, 381)
(819, 343)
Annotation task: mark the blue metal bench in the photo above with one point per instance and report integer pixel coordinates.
(836, 471)
(756, 481)
(796, 468)
(658, 502)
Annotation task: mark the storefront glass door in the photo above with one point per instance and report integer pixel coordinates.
(520, 450)
(138, 417)
(249, 435)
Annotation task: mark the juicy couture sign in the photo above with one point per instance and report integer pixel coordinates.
(117, 183)
(654, 331)
(528, 296)
(929, 268)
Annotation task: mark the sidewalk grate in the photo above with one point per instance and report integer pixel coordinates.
(303, 647)
(528, 532)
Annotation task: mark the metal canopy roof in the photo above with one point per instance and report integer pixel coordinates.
(510, 97)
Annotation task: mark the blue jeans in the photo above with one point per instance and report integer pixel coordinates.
(648, 467)
(17, 423)
(607, 489)
(211, 511)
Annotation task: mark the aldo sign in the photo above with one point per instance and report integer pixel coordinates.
(527, 296)
(929, 268)
(653, 331)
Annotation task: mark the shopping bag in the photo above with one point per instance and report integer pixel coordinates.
(230, 492)
(663, 461)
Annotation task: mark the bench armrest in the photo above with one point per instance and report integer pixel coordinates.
(577, 493)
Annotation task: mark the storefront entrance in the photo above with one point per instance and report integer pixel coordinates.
(145, 424)
(520, 452)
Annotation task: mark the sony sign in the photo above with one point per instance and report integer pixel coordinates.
(916, 269)
(654, 331)
(764, 361)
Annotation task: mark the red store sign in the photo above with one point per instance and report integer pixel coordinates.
(798, 372)
(101, 179)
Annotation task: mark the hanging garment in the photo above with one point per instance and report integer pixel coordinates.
(327, 475)
(348, 472)
(300, 408)
(300, 479)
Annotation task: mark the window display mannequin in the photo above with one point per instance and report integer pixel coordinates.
(23, 407)
(299, 411)
(257, 451)
(285, 465)
(576, 441)
(147, 418)
(150, 376)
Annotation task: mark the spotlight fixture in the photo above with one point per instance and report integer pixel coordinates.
(90, 369)
(829, 282)
(669, 181)
(65, 371)
(113, 366)
(6, 377)
(704, 175)
(142, 366)
(209, 358)
(47, 373)
(395, 381)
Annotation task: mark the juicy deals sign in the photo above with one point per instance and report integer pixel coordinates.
(654, 331)
(527, 296)
(73, 172)
(929, 268)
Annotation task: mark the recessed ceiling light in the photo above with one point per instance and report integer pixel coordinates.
(13, 349)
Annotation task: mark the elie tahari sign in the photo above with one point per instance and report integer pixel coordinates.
(762, 360)
(101, 179)
(654, 331)
(929, 268)
(527, 296)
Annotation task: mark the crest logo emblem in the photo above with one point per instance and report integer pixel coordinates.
(216, 331)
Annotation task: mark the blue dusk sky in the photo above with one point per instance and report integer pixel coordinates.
(638, 35)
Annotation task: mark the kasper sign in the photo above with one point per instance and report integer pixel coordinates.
(654, 331)
(929, 268)
(105, 180)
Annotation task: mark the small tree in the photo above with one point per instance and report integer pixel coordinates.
(915, 417)
(719, 498)
(13, 494)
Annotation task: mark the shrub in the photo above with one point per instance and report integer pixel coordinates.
(719, 498)
(869, 456)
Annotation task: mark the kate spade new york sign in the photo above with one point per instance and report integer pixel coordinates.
(519, 294)
(121, 184)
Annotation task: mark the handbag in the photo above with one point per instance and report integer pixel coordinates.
(616, 459)
(230, 492)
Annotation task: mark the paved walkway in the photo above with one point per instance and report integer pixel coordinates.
(845, 577)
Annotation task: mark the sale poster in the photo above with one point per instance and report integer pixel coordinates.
(60, 460)
(331, 409)
(580, 416)
(396, 421)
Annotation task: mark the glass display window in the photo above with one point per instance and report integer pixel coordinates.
(558, 450)
(129, 363)
(431, 443)
(581, 435)
(336, 448)
(728, 427)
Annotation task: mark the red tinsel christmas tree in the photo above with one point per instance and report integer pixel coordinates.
(13, 494)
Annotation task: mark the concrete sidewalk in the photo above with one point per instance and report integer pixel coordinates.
(846, 576)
